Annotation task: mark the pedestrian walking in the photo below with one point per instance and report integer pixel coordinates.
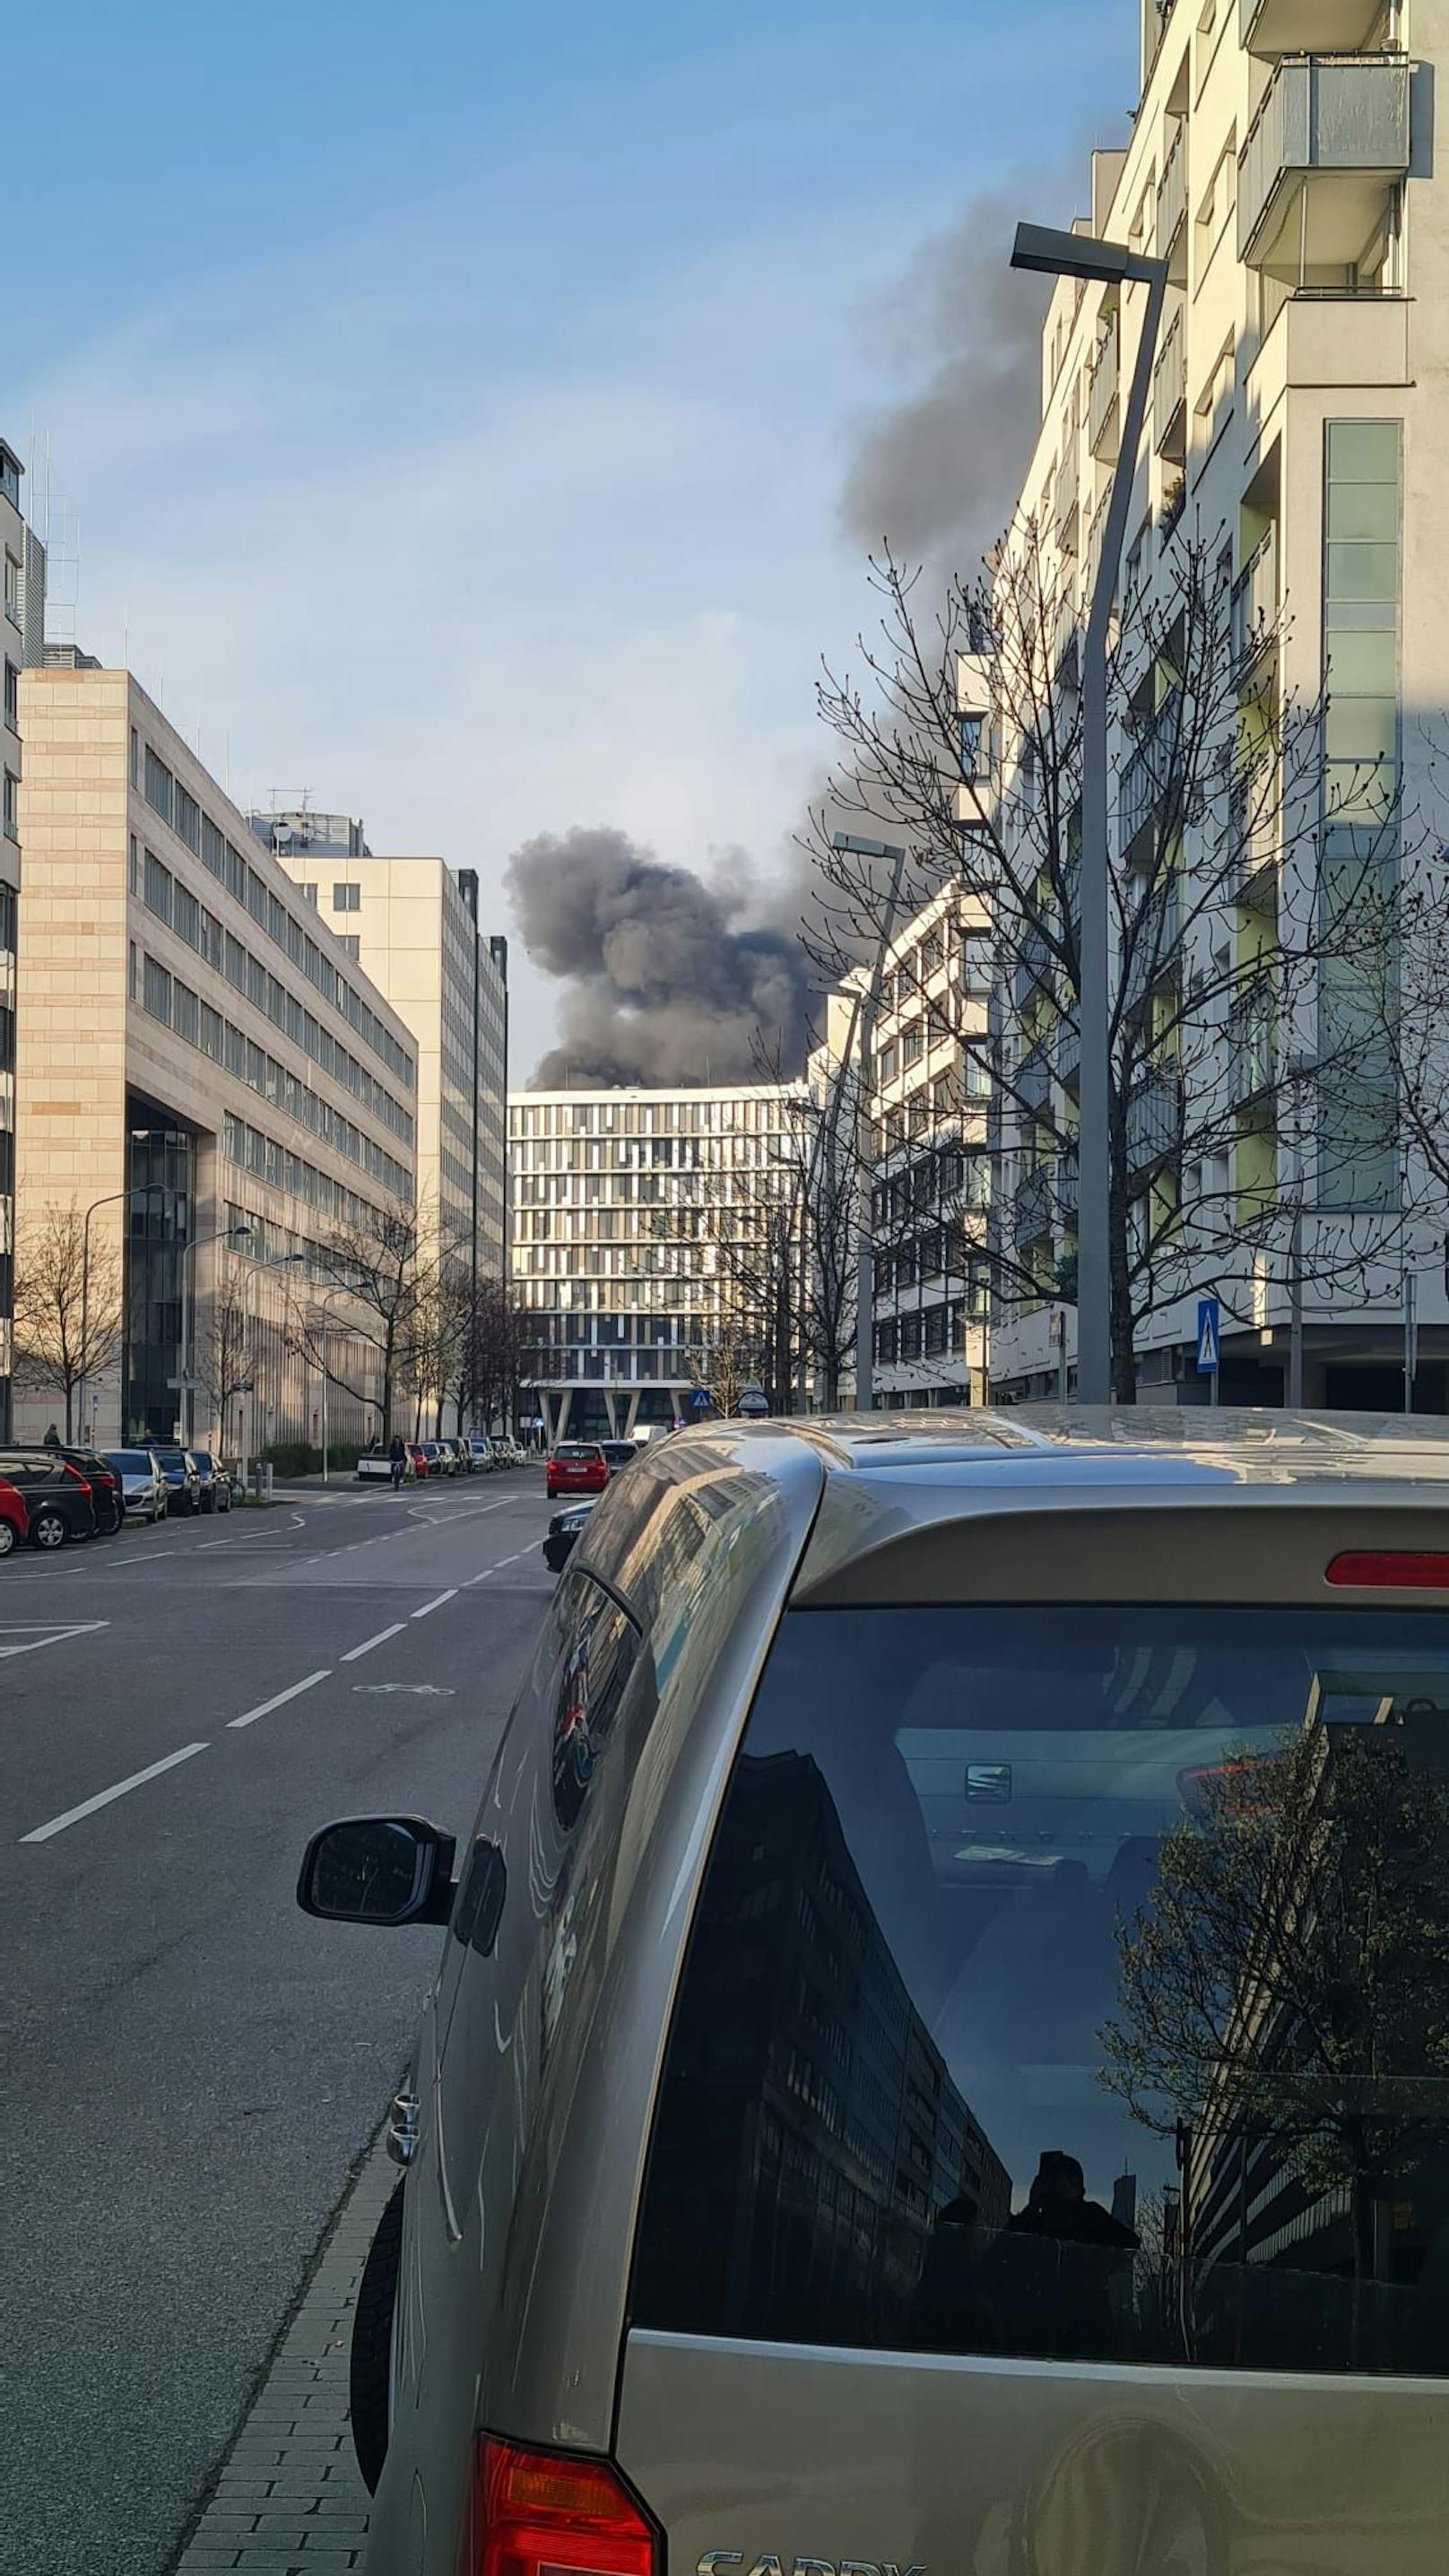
(397, 1459)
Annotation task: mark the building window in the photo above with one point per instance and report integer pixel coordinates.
(11, 815)
(160, 785)
(156, 991)
(350, 944)
(309, 894)
(12, 589)
(12, 696)
(347, 898)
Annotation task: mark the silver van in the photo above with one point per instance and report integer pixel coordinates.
(940, 2063)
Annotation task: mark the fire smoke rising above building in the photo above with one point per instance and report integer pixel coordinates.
(663, 984)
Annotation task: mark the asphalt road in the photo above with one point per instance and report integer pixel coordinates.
(192, 2066)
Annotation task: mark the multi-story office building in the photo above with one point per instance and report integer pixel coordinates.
(22, 635)
(197, 1054)
(1295, 435)
(625, 1208)
(931, 1103)
(412, 926)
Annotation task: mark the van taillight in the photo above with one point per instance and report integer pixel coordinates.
(534, 2512)
(1392, 1570)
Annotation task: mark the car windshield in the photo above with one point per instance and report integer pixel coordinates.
(1074, 1983)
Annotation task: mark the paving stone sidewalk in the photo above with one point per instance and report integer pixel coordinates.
(288, 2500)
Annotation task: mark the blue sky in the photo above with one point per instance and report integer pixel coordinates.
(455, 401)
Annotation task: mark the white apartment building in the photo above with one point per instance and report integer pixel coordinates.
(196, 1054)
(929, 1140)
(1282, 160)
(411, 924)
(621, 1201)
(22, 647)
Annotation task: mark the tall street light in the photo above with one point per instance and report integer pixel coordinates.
(1102, 263)
(865, 1016)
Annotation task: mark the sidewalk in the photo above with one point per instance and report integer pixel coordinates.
(288, 2500)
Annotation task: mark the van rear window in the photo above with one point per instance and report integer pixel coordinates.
(1072, 1984)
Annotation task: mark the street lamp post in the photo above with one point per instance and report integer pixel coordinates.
(233, 1234)
(1106, 263)
(143, 1190)
(322, 1310)
(867, 1013)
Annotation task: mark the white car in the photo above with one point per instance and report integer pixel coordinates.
(374, 1467)
(143, 1487)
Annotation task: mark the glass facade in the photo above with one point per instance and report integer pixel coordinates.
(1362, 590)
(160, 1221)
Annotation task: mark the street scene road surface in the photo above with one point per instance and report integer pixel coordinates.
(195, 2069)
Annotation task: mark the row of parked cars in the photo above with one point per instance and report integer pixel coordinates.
(49, 1495)
(469, 1453)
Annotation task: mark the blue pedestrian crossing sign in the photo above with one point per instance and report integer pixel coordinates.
(700, 1399)
(1209, 1336)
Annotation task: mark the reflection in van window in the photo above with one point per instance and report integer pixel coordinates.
(1075, 1984)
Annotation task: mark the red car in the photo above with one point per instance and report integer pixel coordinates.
(577, 1467)
(14, 1518)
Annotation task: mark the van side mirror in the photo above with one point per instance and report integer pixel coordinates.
(378, 1869)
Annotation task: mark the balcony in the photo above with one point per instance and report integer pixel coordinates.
(1172, 208)
(1324, 152)
(1035, 962)
(1103, 391)
(1154, 1120)
(1033, 1206)
(1154, 923)
(1033, 1082)
(1271, 27)
(1255, 1047)
(1169, 395)
(1067, 1054)
(1065, 502)
(1255, 601)
(1144, 776)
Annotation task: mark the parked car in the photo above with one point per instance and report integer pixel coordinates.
(143, 1486)
(460, 1453)
(418, 1460)
(619, 1453)
(481, 1451)
(374, 1465)
(57, 1496)
(14, 1518)
(803, 1908)
(439, 1460)
(503, 1450)
(183, 1482)
(576, 1467)
(105, 1485)
(214, 1481)
(564, 1531)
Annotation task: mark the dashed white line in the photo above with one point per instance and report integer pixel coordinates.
(368, 1643)
(267, 1705)
(104, 1797)
(436, 1605)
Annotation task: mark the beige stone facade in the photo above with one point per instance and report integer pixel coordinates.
(411, 924)
(196, 1053)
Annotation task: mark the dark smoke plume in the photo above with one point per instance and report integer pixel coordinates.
(937, 475)
(663, 985)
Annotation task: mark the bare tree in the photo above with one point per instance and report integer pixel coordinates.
(494, 1345)
(379, 1260)
(1230, 900)
(69, 1305)
(225, 1358)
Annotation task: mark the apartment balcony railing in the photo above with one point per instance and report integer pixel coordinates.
(1145, 774)
(1067, 1187)
(1254, 1039)
(1034, 1205)
(1155, 928)
(1169, 394)
(1104, 391)
(1328, 144)
(1292, 26)
(1034, 965)
(1172, 201)
(1255, 599)
(1154, 1119)
(1067, 1054)
(1033, 1080)
(1066, 499)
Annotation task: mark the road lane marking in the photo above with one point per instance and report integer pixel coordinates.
(48, 1635)
(104, 1797)
(436, 1605)
(281, 1699)
(368, 1643)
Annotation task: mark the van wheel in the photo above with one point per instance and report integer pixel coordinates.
(371, 2363)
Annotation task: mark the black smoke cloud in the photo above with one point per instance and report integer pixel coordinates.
(937, 473)
(662, 983)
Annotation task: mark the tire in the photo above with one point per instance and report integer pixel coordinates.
(7, 1537)
(49, 1529)
(208, 1502)
(370, 2365)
